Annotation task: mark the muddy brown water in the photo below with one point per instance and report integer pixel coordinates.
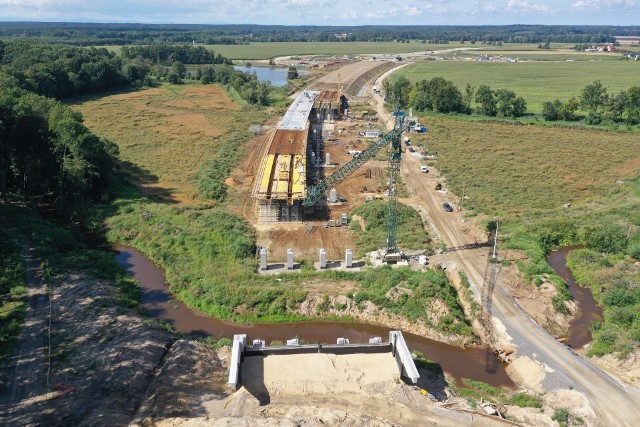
(478, 363)
(579, 333)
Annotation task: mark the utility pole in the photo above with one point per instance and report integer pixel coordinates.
(462, 204)
(495, 241)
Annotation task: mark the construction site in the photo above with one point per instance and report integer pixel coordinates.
(294, 155)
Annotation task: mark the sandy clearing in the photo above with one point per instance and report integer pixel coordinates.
(319, 373)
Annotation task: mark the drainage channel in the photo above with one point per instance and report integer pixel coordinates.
(477, 363)
(579, 333)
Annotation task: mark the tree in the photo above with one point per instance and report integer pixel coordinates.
(292, 73)
(504, 104)
(179, 68)
(551, 111)
(174, 78)
(448, 99)
(594, 97)
(519, 107)
(399, 92)
(468, 97)
(208, 75)
(569, 109)
(486, 98)
(617, 105)
(633, 105)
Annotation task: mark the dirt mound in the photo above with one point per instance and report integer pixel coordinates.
(192, 379)
(103, 357)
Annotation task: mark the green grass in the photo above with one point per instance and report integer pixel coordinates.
(209, 264)
(266, 50)
(13, 290)
(411, 232)
(536, 82)
(522, 175)
(64, 251)
(166, 135)
(475, 390)
(608, 276)
(509, 168)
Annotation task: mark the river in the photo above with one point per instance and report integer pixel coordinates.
(579, 333)
(478, 363)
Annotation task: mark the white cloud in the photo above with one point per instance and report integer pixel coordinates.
(602, 4)
(524, 7)
(487, 7)
(381, 14)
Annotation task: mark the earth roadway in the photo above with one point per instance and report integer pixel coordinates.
(614, 403)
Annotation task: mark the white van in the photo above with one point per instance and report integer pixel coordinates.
(424, 169)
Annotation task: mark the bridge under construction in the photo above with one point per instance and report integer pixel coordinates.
(293, 154)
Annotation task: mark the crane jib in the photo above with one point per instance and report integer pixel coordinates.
(318, 191)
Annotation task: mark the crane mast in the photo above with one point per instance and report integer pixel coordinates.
(393, 138)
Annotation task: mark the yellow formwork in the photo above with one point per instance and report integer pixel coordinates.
(280, 184)
(265, 182)
(298, 177)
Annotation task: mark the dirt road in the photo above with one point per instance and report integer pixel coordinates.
(613, 402)
(26, 375)
(346, 75)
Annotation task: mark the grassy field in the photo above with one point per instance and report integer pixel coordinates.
(167, 134)
(536, 82)
(268, 50)
(519, 168)
(412, 234)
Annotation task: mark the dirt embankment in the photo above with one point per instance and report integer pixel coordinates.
(537, 302)
(103, 358)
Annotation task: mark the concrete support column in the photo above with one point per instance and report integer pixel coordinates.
(323, 258)
(289, 259)
(333, 195)
(348, 258)
(263, 259)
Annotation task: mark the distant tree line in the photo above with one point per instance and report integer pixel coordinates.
(168, 54)
(85, 34)
(443, 96)
(594, 105)
(599, 106)
(60, 72)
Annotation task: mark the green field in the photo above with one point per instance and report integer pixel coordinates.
(269, 50)
(509, 168)
(537, 82)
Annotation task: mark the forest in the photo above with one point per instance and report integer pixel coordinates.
(89, 34)
(47, 154)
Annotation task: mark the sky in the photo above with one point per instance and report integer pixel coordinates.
(328, 12)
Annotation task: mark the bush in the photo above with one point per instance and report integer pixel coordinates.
(561, 415)
(524, 400)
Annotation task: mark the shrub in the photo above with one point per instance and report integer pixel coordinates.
(561, 415)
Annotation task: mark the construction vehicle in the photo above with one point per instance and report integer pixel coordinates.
(392, 139)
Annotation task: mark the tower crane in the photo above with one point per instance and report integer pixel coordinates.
(392, 138)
